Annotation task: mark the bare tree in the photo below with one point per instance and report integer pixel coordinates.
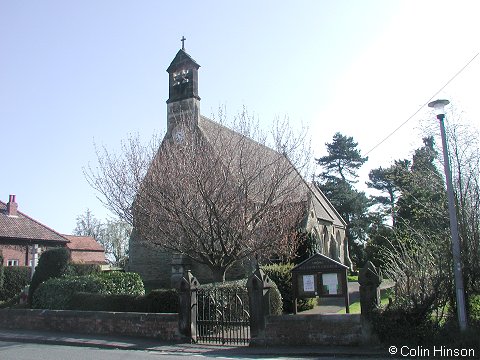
(118, 177)
(113, 235)
(465, 162)
(214, 195)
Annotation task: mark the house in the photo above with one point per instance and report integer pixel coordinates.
(85, 250)
(23, 239)
(184, 121)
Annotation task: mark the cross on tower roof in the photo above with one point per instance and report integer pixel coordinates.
(183, 42)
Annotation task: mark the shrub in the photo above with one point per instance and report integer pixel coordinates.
(57, 293)
(157, 301)
(15, 280)
(1, 273)
(474, 308)
(161, 301)
(83, 269)
(399, 325)
(52, 263)
(119, 282)
(281, 275)
(240, 287)
(104, 302)
(276, 302)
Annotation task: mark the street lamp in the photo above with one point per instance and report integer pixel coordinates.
(438, 106)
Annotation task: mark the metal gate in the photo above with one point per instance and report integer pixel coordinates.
(222, 316)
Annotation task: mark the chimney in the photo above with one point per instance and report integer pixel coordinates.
(12, 206)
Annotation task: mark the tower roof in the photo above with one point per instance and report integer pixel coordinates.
(182, 60)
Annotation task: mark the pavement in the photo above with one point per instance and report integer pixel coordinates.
(144, 344)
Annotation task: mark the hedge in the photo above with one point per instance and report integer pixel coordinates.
(281, 275)
(57, 293)
(83, 269)
(15, 280)
(157, 301)
(1, 272)
(53, 263)
(240, 286)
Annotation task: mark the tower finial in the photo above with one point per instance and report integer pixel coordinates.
(183, 42)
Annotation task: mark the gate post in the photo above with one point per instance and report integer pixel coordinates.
(258, 286)
(187, 316)
(369, 279)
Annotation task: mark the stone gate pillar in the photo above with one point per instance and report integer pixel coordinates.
(258, 286)
(369, 279)
(187, 315)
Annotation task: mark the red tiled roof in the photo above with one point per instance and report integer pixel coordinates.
(84, 249)
(23, 227)
(83, 243)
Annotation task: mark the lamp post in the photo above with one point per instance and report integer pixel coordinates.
(438, 106)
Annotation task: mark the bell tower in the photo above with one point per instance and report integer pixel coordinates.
(183, 104)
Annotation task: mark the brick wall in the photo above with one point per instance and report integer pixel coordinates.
(324, 329)
(158, 326)
(14, 252)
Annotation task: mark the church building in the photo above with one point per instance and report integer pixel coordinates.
(162, 267)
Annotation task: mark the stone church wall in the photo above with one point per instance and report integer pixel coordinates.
(155, 266)
(151, 263)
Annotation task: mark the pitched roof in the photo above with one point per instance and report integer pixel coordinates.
(84, 249)
(214, 132)
(324, 208)
(234, 147)
(23, 227)
(180, 59)
(85, 243)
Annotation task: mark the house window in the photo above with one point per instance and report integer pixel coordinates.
(12, 262)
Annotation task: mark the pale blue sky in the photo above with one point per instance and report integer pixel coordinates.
(74, 71)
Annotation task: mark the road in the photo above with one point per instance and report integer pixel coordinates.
(26, 351)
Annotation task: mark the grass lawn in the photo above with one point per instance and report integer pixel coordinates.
(355, 307)
(352, 278)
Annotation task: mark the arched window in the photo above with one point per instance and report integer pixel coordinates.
(333, 249)
(325, 241)
(339, 244)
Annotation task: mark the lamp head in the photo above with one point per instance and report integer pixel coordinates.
(438, 106)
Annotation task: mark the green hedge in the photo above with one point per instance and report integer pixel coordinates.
(157, 301)
(83, 269)
(119, 282)
(1, 272)
(53, 263)
(57, 293)
(281, 275)
(240, 286)
(474, 309)
(15, 280)
(161, 301)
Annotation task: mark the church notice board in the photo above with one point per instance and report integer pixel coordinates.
(320, 276)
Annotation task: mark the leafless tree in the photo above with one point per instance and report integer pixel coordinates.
(113, 235)
(117, 177)
(465, 162)
(215, 195)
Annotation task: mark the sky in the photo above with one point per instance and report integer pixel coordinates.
(74, 73)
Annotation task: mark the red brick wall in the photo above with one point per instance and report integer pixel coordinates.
(14, 252)
(158, 326)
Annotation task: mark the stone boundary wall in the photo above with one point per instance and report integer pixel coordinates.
(316, 329)
(157, 326)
